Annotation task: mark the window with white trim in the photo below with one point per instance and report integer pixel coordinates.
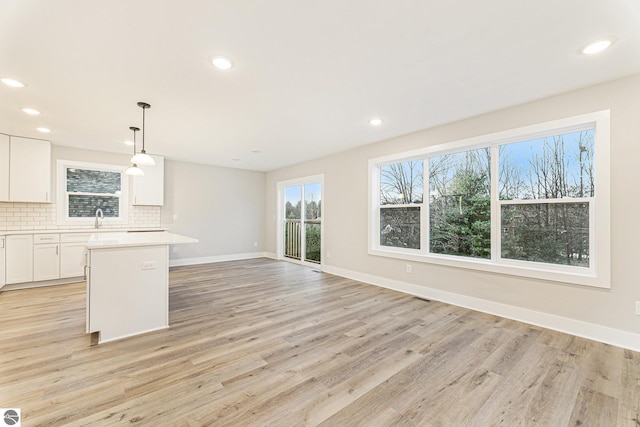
(531, 202)
(83, 188)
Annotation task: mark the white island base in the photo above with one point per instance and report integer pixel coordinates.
(128, 283)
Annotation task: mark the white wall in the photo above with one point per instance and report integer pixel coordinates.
(222, 207)
(585, 311)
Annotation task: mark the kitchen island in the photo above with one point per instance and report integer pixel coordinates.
(128, 283)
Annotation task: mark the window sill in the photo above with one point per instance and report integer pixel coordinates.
(539, 271)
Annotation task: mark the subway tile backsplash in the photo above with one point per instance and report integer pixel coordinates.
(43, 216)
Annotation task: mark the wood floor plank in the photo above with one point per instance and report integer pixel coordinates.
(593, 408)
(267, 343)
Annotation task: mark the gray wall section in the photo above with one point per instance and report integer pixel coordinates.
(222, 207)
(346, 210)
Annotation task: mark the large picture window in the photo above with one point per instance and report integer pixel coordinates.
(531, 202)
(84, 188)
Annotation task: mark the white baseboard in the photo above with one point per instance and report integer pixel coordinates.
(575, 327)
(217, 258)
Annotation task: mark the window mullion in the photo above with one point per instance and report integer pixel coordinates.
(496, 219)
(424, 213)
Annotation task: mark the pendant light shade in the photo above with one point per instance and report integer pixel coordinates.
(142, 158)
(134, 170)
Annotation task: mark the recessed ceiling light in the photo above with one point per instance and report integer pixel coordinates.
(44, 130)
(375, 122)
(255, 151)
(31, 111)
(597, 46)
(236, 160)
(12, 82)
(129, 143)
(221, 63)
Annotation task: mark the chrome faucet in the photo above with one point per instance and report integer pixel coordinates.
(100, 215)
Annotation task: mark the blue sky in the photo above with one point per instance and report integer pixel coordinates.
(293, 194)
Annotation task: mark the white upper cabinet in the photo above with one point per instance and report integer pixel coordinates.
(30, 170)
(4, 167)
(149, 188)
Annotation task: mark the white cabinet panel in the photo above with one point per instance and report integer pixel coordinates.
(46, 261)
(73, 254)
(4, 168)
(72, 259)
(30, 170)
(127, 299)
(149, 189)
(19, 258)
(2, 264)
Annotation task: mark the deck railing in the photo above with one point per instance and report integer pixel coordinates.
(293, 239)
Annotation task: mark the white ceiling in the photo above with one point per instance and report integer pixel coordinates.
(308, 75)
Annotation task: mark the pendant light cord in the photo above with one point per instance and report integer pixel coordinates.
(134, 129)
(143, 111)
(144, 106)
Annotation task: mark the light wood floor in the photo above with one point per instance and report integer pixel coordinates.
(266, 343)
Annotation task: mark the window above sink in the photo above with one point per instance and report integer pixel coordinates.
(83, 188)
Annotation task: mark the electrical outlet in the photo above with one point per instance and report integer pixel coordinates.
(175, 249)
(638, 308)
(175, 216)
(408, 268)
(148, 265)
(255, 244)
(328, 254)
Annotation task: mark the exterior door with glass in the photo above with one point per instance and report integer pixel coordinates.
(302, 221)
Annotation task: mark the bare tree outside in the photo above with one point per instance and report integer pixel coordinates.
(544, 185)
(401, 183)
(401, 189)
(553, 170)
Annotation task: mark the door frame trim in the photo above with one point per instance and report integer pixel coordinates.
(280, 185)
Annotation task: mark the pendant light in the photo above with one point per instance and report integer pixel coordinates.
(134, 170)
(142, 158)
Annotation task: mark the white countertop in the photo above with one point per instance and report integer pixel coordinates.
(147, 238)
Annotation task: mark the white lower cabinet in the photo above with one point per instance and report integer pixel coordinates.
(73, 252)
(46, 257)
(19, 258)
(46, 262)
(41, 257)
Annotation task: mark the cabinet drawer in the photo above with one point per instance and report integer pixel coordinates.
(45, 238)
(75, 237)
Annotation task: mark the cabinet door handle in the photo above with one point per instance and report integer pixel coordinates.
(57, 249)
